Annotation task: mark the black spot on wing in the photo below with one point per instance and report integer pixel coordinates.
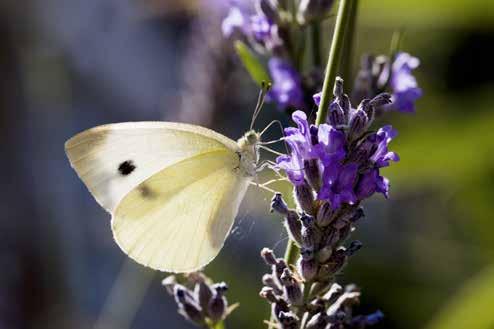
(126, 167)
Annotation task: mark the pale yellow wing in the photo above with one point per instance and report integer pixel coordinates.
(113, 159)
(178, 220)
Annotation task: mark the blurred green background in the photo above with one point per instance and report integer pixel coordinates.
(68, 65)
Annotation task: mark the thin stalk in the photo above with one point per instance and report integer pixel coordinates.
(344, 12)
(347, 57)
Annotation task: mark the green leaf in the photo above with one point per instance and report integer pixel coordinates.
(251, 63)
(471, 307)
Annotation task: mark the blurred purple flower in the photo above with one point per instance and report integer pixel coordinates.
(403, 83)
(261, 27)
(338, 184)
(235, 23)
(286, 90)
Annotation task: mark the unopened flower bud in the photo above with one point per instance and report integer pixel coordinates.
(368, 109)
(348, 217)
(192, 313)
(354, 247)
(344, 102)
(271, 282)
(292, 289)
(332, 238)
(268, 256)
(217, 307)
(308, 268)
(381, 100)
(294, 227)
(204, 294)
(359, 122)
(324, 254)
(311, 236)
(333, 293)
(338, 87)
(324, 215)
(279, 268)
(304, 196)
(182, 294)
(318, 321)
(278, 204)
(336, 116)
(278, 307)
(288, 320)
(313, 173)
(268, 294)
(337, 260)
(221, 287)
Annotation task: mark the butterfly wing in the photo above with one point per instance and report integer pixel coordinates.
(178, 219)
(113, 159)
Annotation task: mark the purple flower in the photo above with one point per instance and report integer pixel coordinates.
(300, 141)
(403, 83)
(331, 146)
(372, 182)
(261, 27)
(235, 23)
(317, 98)
(286, 90)
(382, 156)
(338, 184)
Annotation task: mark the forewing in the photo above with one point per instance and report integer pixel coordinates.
(113, 159)
(178, 220)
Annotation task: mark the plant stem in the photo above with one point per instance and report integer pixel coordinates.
(347, 56)
(334, 56)
(316, 44)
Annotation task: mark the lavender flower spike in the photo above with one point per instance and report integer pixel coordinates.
(338, 184)
(286, 90)
(403, 83)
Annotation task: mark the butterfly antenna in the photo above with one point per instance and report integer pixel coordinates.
(260, 101)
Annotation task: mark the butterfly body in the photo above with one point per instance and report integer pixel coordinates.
(173, 189)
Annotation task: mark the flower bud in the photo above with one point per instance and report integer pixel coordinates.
(221, 287)
(278, 204)
(324, 254)
(279, 268)
(204, 294)
(333, 293)
(268, 256)
(304, 196)
(346, 106)
(310, 236)
(292, 289)
(278, 307)
(337, 260)
(318, 321)
(268, 294)
(182, 294)
(191, 312)
(381, 100)
(338, 87)
(348, 217)
(313, 173)
(359, 123)
(354, 247)
(331, 239)
(217, 307)
(271, 282)
(308, 268)
(324, 215)
(368, 109)
(336, 116)
(288, 320)
(294, 227)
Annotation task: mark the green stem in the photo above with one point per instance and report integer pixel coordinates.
(316, 44)
(218, 325)
(347, 57)
(335, 51)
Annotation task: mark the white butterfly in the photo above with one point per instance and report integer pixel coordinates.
(173, 189)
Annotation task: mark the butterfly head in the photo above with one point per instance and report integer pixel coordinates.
(249, 154)
(249, 140)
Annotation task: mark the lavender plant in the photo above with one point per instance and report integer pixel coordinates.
(334, 163)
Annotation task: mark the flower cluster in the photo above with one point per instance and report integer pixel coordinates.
(269, 31)
(339, 160)
(199, 300)
(378, 74)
